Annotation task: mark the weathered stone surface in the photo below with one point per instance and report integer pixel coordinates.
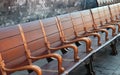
(20, 11)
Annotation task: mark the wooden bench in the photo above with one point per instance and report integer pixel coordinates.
(12, 53)
(88, 23)
(108, 15)
(100, 19)
(55, 40)
(114, 12)
(92, 23)
(69, 34)
(25, 46)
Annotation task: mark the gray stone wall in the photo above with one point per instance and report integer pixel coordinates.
(20, 11)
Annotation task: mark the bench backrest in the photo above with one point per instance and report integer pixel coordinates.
(34, 38)
(67, 27)
(118, 6)
(87, 19)
(114, 11)
(107, 14)
(12, 48)
(77, 22)
(82, 21)
(51, 34)
(102, 15)
(96, 17)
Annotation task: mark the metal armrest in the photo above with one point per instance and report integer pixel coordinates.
(56, 56)
(76, 57)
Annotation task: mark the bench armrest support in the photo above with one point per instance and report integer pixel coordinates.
(88, 42)
(76, 57)
(94, 34)
(111, 27)
(28, 67)
(103, 30)
(56, 56)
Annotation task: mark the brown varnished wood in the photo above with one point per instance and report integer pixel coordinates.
(41, 56)
(12, 44)
(3, 68)
(118, 4)
(89, 24)
(21, 45)
(86, 24)
(13, 30)
(53, 39)
(68, 31)
(13, 52)
(103, 24)
(114, 10)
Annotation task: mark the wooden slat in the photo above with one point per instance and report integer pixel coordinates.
(11, 57)
(11, 42)
(96, 16)
(78, 22)
(67, 26)
(34, 25)
(87, 19)
(8, 32)
(52, 32)
(107, 13)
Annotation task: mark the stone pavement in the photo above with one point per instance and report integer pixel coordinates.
(104, 63)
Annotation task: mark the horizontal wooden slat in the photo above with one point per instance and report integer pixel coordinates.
(51, 30)
(37, 35)
(38, 44)
(9, 32)
(49, 21)
(11, 42)
(34, 25)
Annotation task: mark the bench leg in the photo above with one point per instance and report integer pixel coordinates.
(89, 67)
(113, 46)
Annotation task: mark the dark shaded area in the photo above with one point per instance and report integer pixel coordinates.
(90, 4)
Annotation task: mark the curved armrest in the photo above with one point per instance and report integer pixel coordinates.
(94, 34)
(103, 30)
(87, 40)
(56, 56)
(28, 67)
(116, 23)
(76, 57)
(111, 27)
